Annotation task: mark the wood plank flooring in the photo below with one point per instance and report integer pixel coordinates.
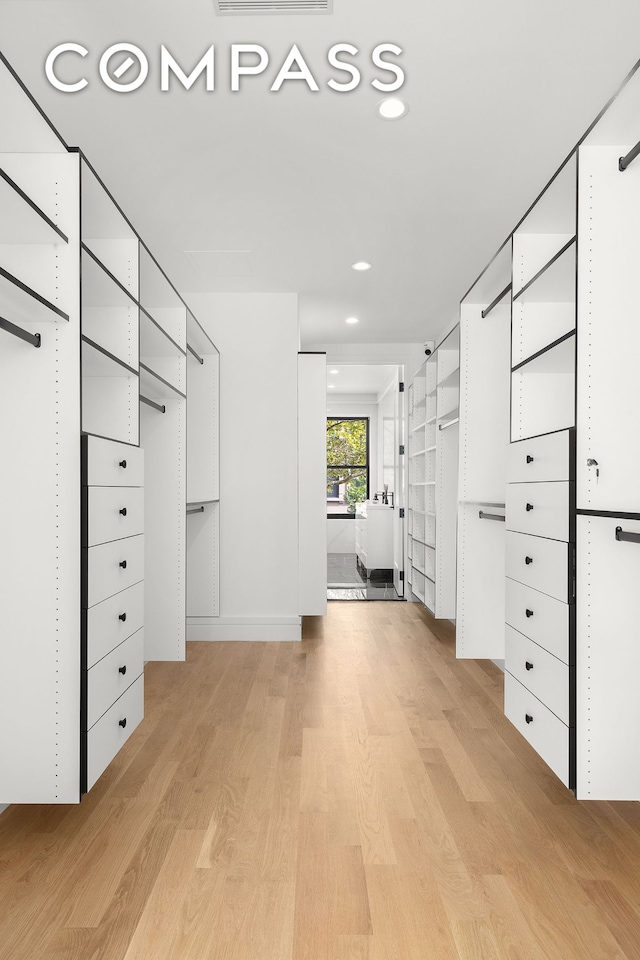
(358, 796)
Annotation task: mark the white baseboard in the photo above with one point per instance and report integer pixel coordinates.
(244, 628)
(3, 807)
(499, 663)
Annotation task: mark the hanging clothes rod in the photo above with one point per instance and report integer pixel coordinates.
(196, 355)
(490, 516)
(629, 537)
(494, 303)
(196, 510)
(160, 407)
(624, 162)
(449, 423)
(32, 338)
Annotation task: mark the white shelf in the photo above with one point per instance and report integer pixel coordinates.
(555, 281)
(154, 341)
(452, 379)
(155, 387)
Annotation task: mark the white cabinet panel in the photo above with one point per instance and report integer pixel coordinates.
(539, 459)
(114, 513)
(111, 676)
(113, 620)
(539, 671)
(608, 660)
(540, 563)
(113, 729)
(548, 735)
(540, 617)
(111, 464)
(112, 567)
(609, 335)
(541, 509)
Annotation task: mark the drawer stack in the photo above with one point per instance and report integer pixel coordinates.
(112, 600)
(540, 597)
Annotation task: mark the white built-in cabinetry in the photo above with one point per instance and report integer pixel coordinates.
(433, 403)
(93, 559)
(571, 554)
(485, 323)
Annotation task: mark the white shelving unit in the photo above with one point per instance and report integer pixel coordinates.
(203, 455)
(93, 546)
(485, 320)
(433, 399)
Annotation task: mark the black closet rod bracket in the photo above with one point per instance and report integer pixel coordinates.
(196, 510)
(624, 162)
(490, 516)
(196, 355)
(33, 338)
(160, 407)
(494, 303)
(629, 537)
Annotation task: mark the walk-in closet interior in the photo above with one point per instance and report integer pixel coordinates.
(516, 513)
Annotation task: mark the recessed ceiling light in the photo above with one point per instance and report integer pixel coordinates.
(361, 265)
(334, 371)
(351, 320)
(392, 108)
(331, 386)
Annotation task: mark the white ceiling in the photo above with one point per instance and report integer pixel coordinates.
(370, 379)
(283, 191)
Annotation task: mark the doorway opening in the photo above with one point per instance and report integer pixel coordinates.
(365, 530)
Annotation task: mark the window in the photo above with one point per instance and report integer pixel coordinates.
(347, 464)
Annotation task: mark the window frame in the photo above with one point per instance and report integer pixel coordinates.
(347, 466)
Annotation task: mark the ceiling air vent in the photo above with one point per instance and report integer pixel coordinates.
(226, 8)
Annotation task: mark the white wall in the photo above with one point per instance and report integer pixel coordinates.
(257, 335)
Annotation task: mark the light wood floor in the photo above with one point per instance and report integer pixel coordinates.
(358, 796)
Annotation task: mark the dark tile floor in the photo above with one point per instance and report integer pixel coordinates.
(345, 581)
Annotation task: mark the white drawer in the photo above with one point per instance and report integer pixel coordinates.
(542, 564)
(114, 513)
(539, 508)
(538, 616)
(106, 627)
(113, 730)
(112, 567)
(111, 464)
(540, 672)
(542, 458)
(111, 676)
(548, 735)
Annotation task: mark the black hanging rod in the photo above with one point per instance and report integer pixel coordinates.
(494, 303)
(490, 516)
(160, 407)
(32, 338)
(624, 162)
(630, 537)
(196, 510)
(196, 355)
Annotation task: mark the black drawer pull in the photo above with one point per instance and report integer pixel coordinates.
(528, 665)
(122, 617)
(529, 613)
(528, 560)
(528, 507)
(527, 717)
(123, 464)
(123, 512)
(529, 458)
(123, 564)
(122, 670)
(122, 723)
